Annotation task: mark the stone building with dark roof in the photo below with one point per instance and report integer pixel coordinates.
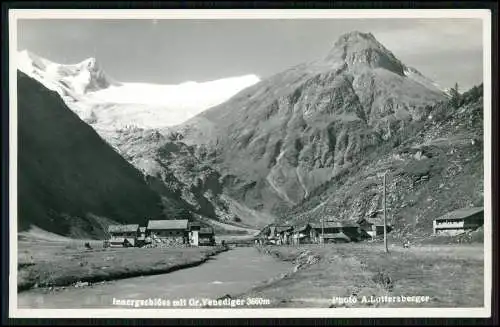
(374, 226)
(168, 232)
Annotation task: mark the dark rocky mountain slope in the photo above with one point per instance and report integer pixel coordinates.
(182, 173)
(438, 169)
(70, 181)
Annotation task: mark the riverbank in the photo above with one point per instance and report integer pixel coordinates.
(444, 275)
(231, 272)
(49, 264)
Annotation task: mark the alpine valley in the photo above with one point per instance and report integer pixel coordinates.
(241, 153)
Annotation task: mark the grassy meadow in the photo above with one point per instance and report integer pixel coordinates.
(451, 275)
(44, 263)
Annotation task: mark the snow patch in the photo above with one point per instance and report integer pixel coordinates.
(416, 76)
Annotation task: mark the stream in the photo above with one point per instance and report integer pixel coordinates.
(230, 272)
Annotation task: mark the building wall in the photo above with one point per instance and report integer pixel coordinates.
(284, 238)
(205, 239)
(315, 235)
(169, 233)
(193, 238)
(449, 224)
(115, 245)
(354, 232)
(379, 230)
(455, 227)
(305, 237)
(123, 235)
(335, 240)
(449, 232)
(169, 237)
(474, 221)
(131, 237)
(372, 233)
(332, 230)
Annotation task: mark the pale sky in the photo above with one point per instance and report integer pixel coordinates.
(175, 51)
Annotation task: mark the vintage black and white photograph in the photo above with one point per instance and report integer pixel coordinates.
(229, 164)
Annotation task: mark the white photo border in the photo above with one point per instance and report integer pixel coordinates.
(483, 14)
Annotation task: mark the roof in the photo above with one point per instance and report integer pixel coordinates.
(337, 236)
(302, 228)
(194, 226)
(142, 229)
(333, 224)
(315, 225)
(117, 240)
(123, 228)
(461, 213)
(206, 230)
(376, 221)
(168, 224)
(280, 229)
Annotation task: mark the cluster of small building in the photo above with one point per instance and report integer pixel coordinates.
(324, 232)
(453, 223)
(161, 233)
(171, 233)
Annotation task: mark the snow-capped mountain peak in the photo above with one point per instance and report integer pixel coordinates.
(71, 80)
(110, 105)
(90, 63)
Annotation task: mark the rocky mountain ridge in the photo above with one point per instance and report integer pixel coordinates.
(277, 141)
(437, 169)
